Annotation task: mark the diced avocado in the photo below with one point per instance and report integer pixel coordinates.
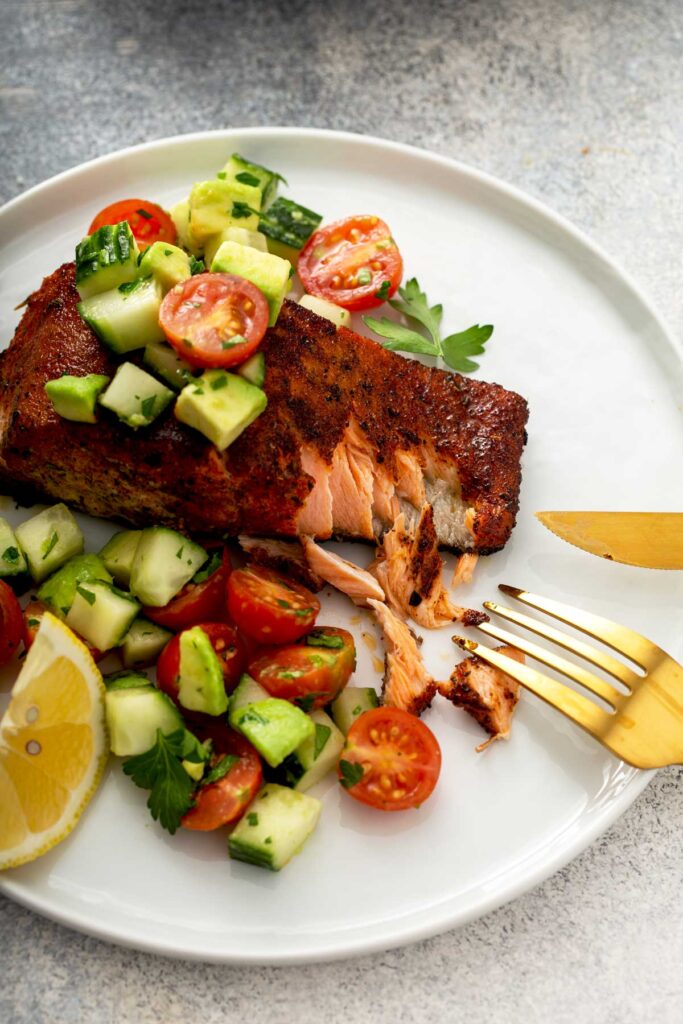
(239, 169)
(275, 727)
(339, 317)
(101, 614)
(269, 273)
(135, 396)
(351, 703)
(127, 317)
(216, 204)
(288, 226)
(143, 643)
(106, 259)
(247, 691)
(220, 405)
(164, 362)
(276, 826)
(166, 263)
(164, 562)
(75, 398)
(200, 676)
(12, 558)
(317, 755)
(195, 769)
(254, 369)
(125, 680)
(180, 215)
(134, 716)
(59, 590)
(49, 540)
(252, 239)
(118, 554)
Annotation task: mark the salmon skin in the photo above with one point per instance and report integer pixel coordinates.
(352, 436)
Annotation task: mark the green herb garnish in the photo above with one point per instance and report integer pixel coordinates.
(322, 735)
(240, 209)
(247, 179)
(144, 213)
(49, 544)
(87, 595)
(10, 555)
(252, 818)
(351, 773)
(160, 770)
(147, 406)
(383, 290)
(319, 639)
(220, 769)
(196, 266)
(219, 382)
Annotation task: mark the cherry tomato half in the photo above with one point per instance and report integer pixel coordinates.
(224, 801)
(214, 320)
(203, 599)
(268, 607)
(32, 616)
(353, 262)
(310, 673)
(227, 644)
(148, 221)
(390, 761)
(11, 623)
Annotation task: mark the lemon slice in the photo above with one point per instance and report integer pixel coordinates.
(53, 744)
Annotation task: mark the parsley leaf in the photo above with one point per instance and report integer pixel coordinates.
(87, 595)
(248, 179)
(220, 769)
(456, 349)
(159, 770)
(318, 638)
(10, 555)
(322, 735)
(351, 773)
(383, 290)
(196, 266)
(49, 544)
(147, 406)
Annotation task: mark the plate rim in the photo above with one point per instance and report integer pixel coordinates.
(399, 932)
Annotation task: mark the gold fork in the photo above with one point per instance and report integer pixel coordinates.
(643, 726)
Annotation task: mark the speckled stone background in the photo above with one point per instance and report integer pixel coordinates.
(580, 104)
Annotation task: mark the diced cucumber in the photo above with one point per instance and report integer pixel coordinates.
(106, 259)
(316, 756)
(12, 558)
(180, 215)
(166, 263)
(125, 680)
(220, 406)
(49, 540)
(269, 273)
(216, 204)
(352, 702)
(239, 169)
(252, 239)
(165, 363)
(195, 769)
(143, 643)
(75, 398)
(102, 614)
(125, 318)
(134, 716)
(339, 317)
(288, 226)
(164, 562)
(276, 826)
(254, 369)
(135, 396)
(201, 686)
(118, 554)
(59, 590)
(247, 691)
(275, 727)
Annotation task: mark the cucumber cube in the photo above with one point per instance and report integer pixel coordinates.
(239, 169)
(252, 239)
(166, 263)
(164, 362)
(352, 702)
(143, 643)
(101, 614)
(134, 716)
(125, 318)
(275, 727)
(276, 826)
(339, 317)
(49, 540)
(135, 396)
(217, 204)
(125, 680)
(60, 589)
(118, 554)
(254, 369)
(164, 562)
(106, 259)
(12, 558)
(247, 691)
(220, 405)
(317, 755)
(288, 226)
(75, 398)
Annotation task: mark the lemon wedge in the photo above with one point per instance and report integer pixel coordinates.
(53, 744)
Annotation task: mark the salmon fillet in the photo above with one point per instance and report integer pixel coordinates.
(407, 684)
(352, 434)
(485, 692)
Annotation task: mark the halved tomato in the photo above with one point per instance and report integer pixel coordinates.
(226, 642)
(310, 673)
(390, 761)
(148, 221)
(203, 599)
(225, 800)
(268, 607)
(11, 623)
(214, 320)
(353, 262)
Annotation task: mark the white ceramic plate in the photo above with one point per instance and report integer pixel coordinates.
(602, 378)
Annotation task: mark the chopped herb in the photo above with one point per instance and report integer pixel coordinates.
(33, 622)
(383, 290)
(87, 595)
(168, 252)
(302, 612)
(198, 391)
(364, 275)
(237, 339)
(319, 639)
(49, 544)
(247, 179)
(222, 175)
(268, 840)
(210, 568)
(147, 406)
(252, 818)
(196, 266)
(10, 555)
(219, 382)
(240, 209)
(322, 735)
(254, 716)
(220, 769)
(144, 213)
(131, 286)
(282, 603)
(179, 552)
(160, 770)
(351, 773)
(357, 710)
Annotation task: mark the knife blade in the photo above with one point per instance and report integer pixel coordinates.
(652, 540)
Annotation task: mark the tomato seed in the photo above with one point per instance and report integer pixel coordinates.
(385, 781)
(376, 265)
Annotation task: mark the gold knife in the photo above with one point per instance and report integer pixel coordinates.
(653, 540)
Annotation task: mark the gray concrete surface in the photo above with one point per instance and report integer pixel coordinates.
(580, 104)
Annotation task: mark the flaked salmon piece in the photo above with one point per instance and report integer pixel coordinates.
(485, 692)
(464, 569)
(407, 684)
(351, 580)
(410, 482)
(315, 518)
(286, 556)
(351, 484)
(410, 571)
(385, 504)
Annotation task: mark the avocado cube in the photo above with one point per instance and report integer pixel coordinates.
(269, 273)
(12, 558)
(252, 239)
(135, 396)
(275, 727)
(220, 405)
(75, 398)
(60, 589)
(239, 169)
(180, 215)
(201, 685)
(275, 827)
(166, 263)
(216, 204)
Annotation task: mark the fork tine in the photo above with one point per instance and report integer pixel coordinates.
(580, 675)
(572, 704)
(636, 647)
(600, 658)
